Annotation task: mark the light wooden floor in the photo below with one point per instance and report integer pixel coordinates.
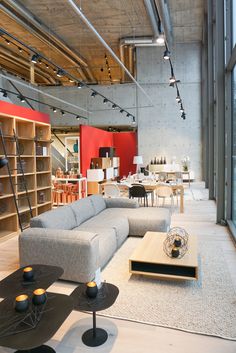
(130, 337)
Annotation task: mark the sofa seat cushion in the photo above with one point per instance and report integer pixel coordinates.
(83, 209)
(145, 219)
(113, 220)
(59, 218)
(107, 242)
(98, 203)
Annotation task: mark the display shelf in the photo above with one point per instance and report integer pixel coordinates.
(43, 196)
(31, 134)
(67, 190)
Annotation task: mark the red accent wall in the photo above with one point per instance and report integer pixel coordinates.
(92, 138)
(126, 148)
(22, 112)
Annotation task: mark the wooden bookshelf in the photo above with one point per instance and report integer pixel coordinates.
(34, 144)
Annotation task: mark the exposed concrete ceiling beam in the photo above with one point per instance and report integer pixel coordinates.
(24, 17)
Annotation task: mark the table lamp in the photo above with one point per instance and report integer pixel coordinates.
(138, 160)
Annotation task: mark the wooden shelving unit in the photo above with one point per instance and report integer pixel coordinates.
(67, 190)
(34, 144)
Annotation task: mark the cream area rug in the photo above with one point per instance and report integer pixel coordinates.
(206, 306)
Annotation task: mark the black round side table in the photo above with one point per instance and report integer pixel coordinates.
(105, 298)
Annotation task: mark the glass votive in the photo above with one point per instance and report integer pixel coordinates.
(21, 303)
(28, 273)
(175, 252)
(39, 296)
(91, 289)
(177, 242)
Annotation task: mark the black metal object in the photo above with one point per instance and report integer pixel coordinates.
(105, 298)
(138, 191)
(107, 152)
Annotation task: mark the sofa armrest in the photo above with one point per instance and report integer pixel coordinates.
(77, 252)
(121, 202)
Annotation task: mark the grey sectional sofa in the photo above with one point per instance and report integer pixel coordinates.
(84, 235)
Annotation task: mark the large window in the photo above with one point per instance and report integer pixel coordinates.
(233, 22)
(234, 146)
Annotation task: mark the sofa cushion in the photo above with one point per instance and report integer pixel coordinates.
(98, 203)
(109, 220)
(107, 242)
(121, 202)
(59, 218)
(83, 209)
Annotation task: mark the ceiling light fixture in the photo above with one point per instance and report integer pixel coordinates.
(181, 108)
(128, 115)
(78, 117)
(160, 39)
(4, 93)
(60, 73)
(35, 58)
(21, 98)
(122, 111)
(113, 106)
(105, 100)
(54, 110)
(20, 49)
(7, 41)
(47, 66)
(62, 112)
(93, 94)
(79, 85)
(166, 55)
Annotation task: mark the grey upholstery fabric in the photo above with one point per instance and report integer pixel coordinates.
(103, 220)
(107, 242)
(59, 218)
(120, 202)
(83, 210)
(76, 252)
(98, 203)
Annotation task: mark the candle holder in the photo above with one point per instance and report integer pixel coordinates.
(176, 243)
(39, 296)
(91, 289)
(21, 303)
(28, 273)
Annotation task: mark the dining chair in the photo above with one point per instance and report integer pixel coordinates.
(163, 192)
(162, 176)
(138, 191)
(178, 180)
(111, 190)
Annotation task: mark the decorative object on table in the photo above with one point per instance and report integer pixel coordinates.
(91, 289)
(96, 166)
(185, 163)
(164, 162)
(151, 162)
(41, 197)
(39, 296)
(28, 273)
(176, 243)
(92, 165)
(21, 303)
(138, 160)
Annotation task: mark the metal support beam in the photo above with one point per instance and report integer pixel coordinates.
(210, 103)
(220, 112)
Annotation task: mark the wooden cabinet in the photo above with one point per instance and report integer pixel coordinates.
(34, 147)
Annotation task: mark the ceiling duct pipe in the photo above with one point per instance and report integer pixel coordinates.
(154, 17)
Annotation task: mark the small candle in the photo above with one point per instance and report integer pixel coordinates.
(39, 296)
(175, 252)
(177, 242)
(92, 289)
(21, 303)
(28, 273)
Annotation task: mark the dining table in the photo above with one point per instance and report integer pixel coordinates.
(153, 185)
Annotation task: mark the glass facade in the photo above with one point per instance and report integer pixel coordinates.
(233, 95)
(233, 23)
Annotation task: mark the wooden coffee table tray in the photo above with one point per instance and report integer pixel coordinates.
(150, 259)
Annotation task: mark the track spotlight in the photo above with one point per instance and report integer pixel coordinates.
(54, 110)
(70, 79)
(133, 122)
(4, 93)
(160, 39)
(122, 111)
(113, 106)
(178, 99)
(78, 117)
(60, 73)
(105, 100)
(93, 94)
(62, 112)
(181, 108)
(128, 115)
(20, 49)
(166, 55)
(21, 98)
(183, 116)
(7, 41)
(47, 66)
(35, 58)
(80, 85)
(172, 80)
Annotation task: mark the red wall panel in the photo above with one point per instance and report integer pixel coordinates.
(126, 148)
(90, 140)
(22, 112)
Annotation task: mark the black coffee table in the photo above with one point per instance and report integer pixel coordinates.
(105, 298)
(44, 276)
(16, 334)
